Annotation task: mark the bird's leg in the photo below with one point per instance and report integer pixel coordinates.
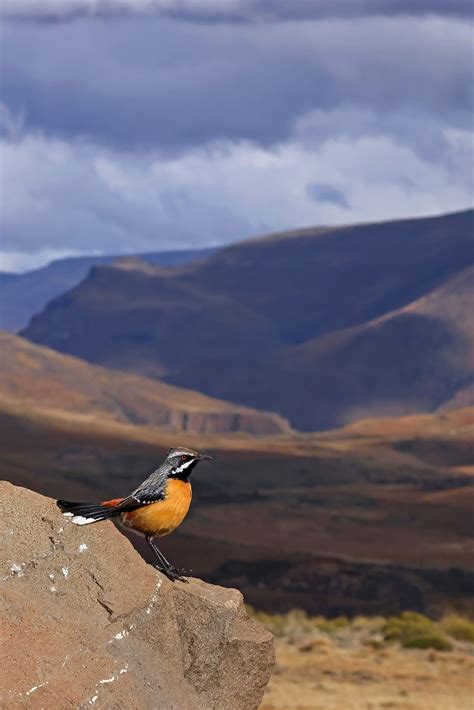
(163, 564)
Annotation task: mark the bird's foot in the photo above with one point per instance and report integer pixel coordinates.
(174, 574)
(178, 575)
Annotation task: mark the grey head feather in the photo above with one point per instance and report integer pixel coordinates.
(153, 488)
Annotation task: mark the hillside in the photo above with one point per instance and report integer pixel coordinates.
(374, 518)
(37, 379)
(23, 295)
(315, 281)
(464, 397)
(323, 326)
(6, 277)
(414, 359)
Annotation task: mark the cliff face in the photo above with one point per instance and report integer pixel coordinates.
(86, 623)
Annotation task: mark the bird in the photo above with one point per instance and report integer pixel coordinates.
(154, 509)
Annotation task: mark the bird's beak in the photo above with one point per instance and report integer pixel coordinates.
(205, 456)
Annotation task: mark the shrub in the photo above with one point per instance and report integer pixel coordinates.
(410, 629)
(330, 626)
(294, 623)
(435, 640)
(414, 630)
(368, 623)
(458, 627)
(297, 622)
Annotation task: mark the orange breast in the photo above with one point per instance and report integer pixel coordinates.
(163, 517)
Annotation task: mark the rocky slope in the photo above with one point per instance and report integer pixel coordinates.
(323, 326)
(86, 623)
(38, 379)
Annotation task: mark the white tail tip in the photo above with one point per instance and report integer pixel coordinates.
(80, 520)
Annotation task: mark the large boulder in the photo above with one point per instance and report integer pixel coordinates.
(86, 623)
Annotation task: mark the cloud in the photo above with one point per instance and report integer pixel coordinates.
(231, 10)
(84, 197)
(153, 83)
(321, 192)
(143, 132)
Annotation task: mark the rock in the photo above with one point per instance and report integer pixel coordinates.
(85, 622)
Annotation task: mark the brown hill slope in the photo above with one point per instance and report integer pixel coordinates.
(410, 360)
(370, 521)
(464, 397)
(248, 324)
(315, 281)
(35, 378)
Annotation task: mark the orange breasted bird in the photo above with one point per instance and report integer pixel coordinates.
(154, 509)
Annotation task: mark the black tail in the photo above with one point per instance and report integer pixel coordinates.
(86, 513)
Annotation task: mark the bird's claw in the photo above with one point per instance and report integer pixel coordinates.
(177, 574)
(174, 574)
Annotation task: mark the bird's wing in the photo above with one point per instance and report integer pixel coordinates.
(150, 491)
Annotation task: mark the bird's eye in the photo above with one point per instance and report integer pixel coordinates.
(184, 457)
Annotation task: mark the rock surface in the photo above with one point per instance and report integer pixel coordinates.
(86, 623)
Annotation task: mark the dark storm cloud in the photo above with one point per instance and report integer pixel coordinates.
(213, 11)
(144, 129)
(149, 82)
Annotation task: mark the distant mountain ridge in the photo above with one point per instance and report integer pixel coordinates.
(324, 326)
(22, 295)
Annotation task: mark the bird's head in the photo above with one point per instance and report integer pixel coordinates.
(181, 462)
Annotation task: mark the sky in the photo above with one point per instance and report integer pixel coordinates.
(146, 125)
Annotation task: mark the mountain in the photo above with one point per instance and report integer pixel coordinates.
(413, 359)
(22, 295)
(322, 325)
(464, 397)
(6, 277)
(41, 382)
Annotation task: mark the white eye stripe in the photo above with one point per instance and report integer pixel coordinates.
(182, 467)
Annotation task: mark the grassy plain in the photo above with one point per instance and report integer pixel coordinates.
(362, 664)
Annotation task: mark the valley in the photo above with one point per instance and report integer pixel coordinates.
(354, 521)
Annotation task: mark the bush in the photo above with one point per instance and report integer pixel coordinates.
(368, 623)
(410, 629)
(331, 626)
(435, 640)
(458, 627)
(294, 623)
(297, 622)
(414, 630)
